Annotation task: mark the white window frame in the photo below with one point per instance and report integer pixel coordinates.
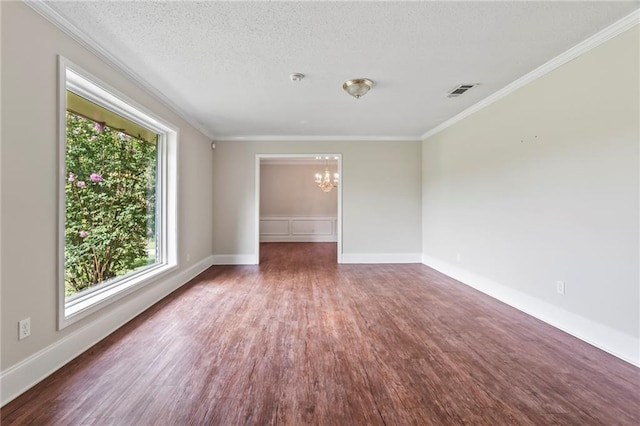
(74, 78)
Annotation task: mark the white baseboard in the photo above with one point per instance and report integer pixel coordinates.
(621, 345)
(234, 259)
(22, 376)
(381, 258)
(298, 239)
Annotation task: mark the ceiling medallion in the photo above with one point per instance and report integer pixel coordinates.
(357, 87)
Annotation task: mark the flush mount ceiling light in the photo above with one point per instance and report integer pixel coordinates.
(357, 87)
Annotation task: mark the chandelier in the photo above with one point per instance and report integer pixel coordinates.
(326, 181)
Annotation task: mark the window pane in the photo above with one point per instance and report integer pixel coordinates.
(110, 204)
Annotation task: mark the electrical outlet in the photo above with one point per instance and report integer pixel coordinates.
(188, 257)
(560, 287)
(458, 257)
(24, 328)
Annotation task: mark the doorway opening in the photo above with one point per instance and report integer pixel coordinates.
(291, 207)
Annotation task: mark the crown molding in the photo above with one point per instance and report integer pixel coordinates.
(104, 54)
(316, 138)
(581, 48)
(97, 49)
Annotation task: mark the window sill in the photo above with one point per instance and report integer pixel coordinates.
(77, 309)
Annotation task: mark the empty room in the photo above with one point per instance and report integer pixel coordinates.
(328, 213)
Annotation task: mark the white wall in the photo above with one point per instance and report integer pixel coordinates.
(290, 190)
(380, 218)
(30, 46)
(542, 186)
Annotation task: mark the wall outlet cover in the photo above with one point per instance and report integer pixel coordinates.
(24, 328)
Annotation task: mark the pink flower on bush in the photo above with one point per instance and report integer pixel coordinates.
(81, 184)
(72, 177)
(83, 234)
(98, 127)
(95, 177)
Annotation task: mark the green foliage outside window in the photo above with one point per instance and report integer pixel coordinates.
(110, 211)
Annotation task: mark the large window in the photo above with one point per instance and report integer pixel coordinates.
(118, 171)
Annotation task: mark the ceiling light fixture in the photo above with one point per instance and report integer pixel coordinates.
(357, 87)
(324, 181)
(296, 76)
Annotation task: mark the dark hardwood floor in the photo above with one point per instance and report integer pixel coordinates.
(302, 340)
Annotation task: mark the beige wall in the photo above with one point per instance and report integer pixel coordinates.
(290, 190)
(378, 216)
(540, 186)
(543, 185)
(30, 46)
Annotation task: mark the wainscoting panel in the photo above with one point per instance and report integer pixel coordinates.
(304, 229)
(273, 227)
(312, 227)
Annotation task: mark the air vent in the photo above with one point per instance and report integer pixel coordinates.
(460, 90)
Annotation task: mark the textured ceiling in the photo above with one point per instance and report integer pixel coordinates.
(227, 64)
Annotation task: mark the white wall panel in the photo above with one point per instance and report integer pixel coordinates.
(298, 229)
(275, 226)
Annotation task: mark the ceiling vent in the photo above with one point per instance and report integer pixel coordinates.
(460, 90)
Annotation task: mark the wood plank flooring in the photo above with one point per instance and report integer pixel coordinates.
(301, 340)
